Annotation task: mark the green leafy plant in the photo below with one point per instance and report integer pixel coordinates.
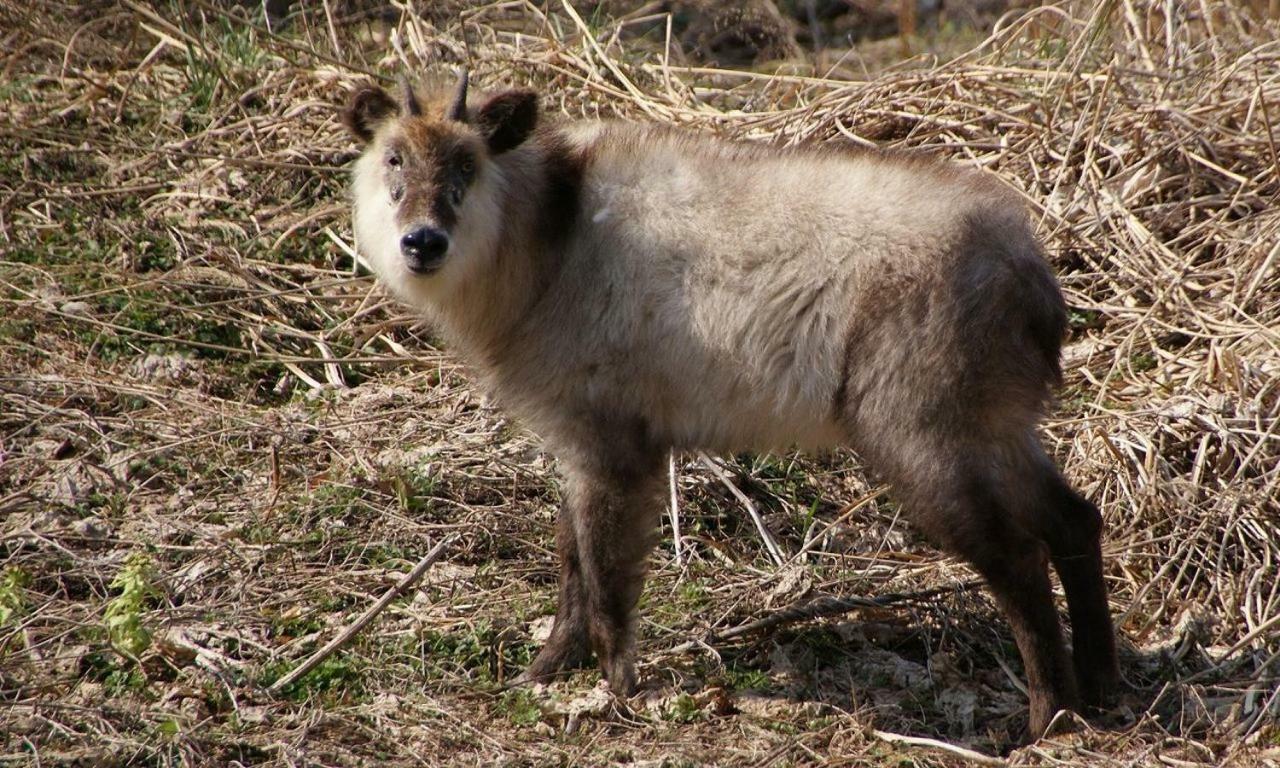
(12, 602)
(338, 678)
(683, 709)
(520, 706)
(747, 679)
(124, 612)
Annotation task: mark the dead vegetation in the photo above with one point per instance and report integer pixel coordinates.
(220, 443)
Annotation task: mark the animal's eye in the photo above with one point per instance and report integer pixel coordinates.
(467, 167)
(394, 160)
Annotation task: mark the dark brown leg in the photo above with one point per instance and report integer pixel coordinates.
(605, 531)
(971, 521)
(615, 533)
(1020, 583)
(567, 647)
(1074, 536)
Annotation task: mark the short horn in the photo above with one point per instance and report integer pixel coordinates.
(409, 97)
(458, 109)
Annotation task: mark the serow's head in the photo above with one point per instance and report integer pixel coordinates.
(426, 188)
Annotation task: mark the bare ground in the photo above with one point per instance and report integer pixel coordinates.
(220, 442)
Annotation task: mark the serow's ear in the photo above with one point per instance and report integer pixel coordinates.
(507, 119)
(369, 106)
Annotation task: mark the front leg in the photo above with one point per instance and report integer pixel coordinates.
(606, 530)
(568, 646)
(616, 528)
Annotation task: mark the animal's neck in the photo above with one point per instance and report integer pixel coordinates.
(485, 314)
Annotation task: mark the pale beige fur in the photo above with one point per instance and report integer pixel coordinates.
(708, 286)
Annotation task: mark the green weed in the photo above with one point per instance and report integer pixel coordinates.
(118, 677)
(339, 678)
(520, 707)
(290, 627)
(121, 681)
(747, 679)
(12, 601)
(337, 500)
(1143, 362)
(1084, 319)
(683, 709)
(480, 653)
(124, 612)
(18, 329)
(414, 489)
(690, 598)
(231, 53)
(23, 88)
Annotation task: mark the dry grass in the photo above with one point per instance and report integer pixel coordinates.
(220, 442)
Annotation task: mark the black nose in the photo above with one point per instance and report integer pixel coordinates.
(424, 248)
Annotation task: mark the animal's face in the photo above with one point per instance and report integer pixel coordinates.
(427, 188)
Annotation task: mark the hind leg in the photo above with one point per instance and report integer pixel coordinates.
(1015, 563)
(955, 497)
(1072, 527)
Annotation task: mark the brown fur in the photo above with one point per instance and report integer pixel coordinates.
(629, 290)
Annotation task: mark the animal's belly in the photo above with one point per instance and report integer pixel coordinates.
(723, 413)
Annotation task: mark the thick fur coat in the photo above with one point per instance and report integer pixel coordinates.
(627, 290)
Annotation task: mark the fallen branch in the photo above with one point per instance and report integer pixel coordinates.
(920, 741)
(351, 631)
